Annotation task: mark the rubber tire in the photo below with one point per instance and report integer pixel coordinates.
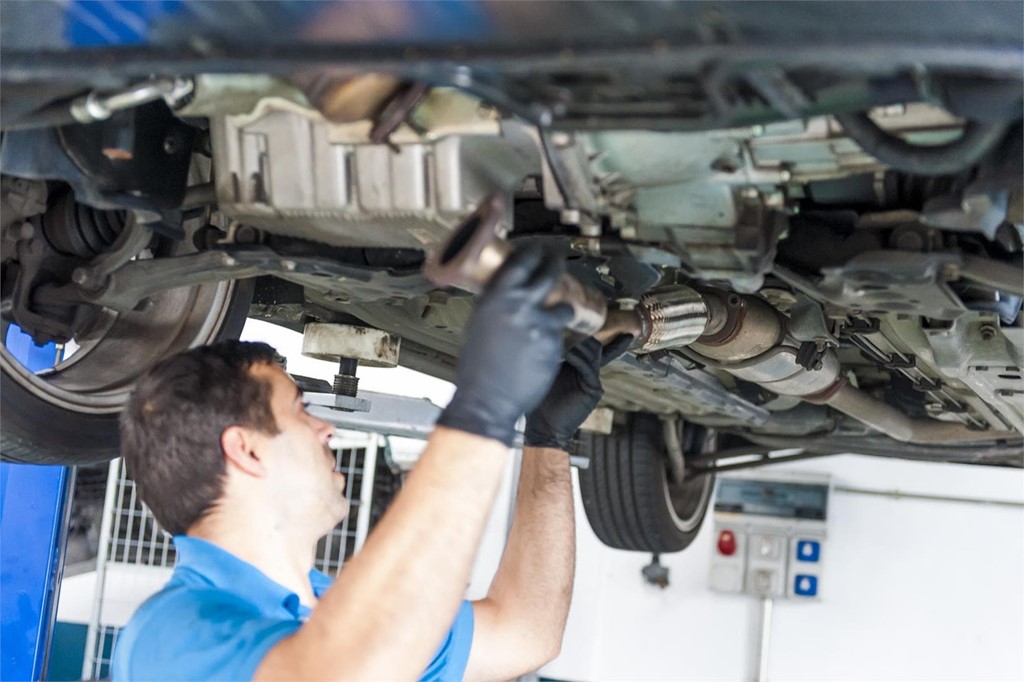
(38, 432)
(623, 489)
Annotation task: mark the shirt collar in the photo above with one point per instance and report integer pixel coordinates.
(225, 571)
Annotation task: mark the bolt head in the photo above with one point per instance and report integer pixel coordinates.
(172, 144)
(561, 139)
(463, 77)
(570, 216)
(949, 271)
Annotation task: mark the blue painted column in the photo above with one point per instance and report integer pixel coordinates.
(34, 504)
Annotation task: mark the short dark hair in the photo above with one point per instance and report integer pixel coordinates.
(172, 425)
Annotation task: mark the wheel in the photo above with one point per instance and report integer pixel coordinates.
(628, 493)
(69, 415)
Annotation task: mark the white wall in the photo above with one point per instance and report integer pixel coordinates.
(912, 590)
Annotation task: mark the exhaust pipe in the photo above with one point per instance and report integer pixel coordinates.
(665, 318)
(475, 252)
(885, 418)
(753, 345)
(740, 334)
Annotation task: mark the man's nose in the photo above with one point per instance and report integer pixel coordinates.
(323, 429)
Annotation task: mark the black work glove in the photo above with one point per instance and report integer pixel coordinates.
(512, 348)
(574, 395)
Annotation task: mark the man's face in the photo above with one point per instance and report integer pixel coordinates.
(307, 491)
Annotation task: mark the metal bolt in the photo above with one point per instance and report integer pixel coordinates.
(227, 260)
(949, 271)
(463, 76)
(561, 139)
(987, 331)
(288, 265)
(79, 276)
(589, 227)
(569, 216)
(891, 110)
(172, 144)
(27, 231)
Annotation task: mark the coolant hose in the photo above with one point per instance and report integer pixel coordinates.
(943, 159)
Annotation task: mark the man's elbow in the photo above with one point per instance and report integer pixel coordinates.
(547, 649)
(552, 653)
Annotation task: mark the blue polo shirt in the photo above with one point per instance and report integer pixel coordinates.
(218, 616)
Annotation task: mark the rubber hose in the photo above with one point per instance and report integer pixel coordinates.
(943, 159)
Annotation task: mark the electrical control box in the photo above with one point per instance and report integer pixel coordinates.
(770, 534)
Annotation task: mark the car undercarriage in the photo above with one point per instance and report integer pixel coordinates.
(856, 199)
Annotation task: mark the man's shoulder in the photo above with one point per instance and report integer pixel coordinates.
(182, 619)
(163, 614)
(192, 600)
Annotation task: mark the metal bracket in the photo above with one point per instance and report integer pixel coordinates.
(332, 401)
(391, 415)
(138, 279)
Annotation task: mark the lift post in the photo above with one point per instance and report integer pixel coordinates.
(34, 507)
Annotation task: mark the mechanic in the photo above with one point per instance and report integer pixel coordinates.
(225, 455)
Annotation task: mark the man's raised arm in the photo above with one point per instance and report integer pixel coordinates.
(519, 625)
(389, 610)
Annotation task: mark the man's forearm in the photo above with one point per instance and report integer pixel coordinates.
(532, 589)
(392, 605)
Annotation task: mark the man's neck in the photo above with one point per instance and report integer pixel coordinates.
(281, 557)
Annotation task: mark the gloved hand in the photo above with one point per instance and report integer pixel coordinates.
(512, 348)
(574, 395)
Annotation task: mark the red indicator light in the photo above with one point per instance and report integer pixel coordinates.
(726, 543)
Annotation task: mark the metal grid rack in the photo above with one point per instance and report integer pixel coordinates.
(138, 556)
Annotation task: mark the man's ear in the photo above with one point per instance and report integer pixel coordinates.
(239, 446)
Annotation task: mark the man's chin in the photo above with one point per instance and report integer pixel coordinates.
(346, 506)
